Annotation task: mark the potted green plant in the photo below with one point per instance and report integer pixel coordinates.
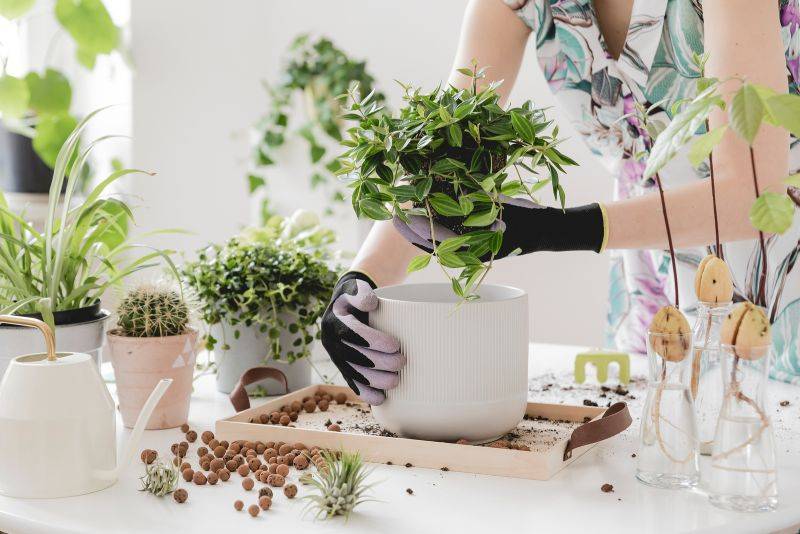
(317, 71)
(35, 106)
(450, 155)
(261, 299)
(60, 273)
(153, 340)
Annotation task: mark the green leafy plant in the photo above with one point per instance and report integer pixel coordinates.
(273, 285)
(450, 155)
(160, 478)
(319, 71)
(340, 485)
(750, 106)
(38, 104)
(83, 250)
(303, 229)
(152, 311)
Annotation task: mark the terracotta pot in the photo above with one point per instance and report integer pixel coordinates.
(140, 362)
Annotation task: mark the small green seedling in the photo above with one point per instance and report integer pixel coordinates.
(601, 360)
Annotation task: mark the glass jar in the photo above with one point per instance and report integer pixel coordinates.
(668, 447)
(706, 379)
(743, 474)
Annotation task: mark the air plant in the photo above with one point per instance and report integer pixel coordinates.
(340, 485)
(160, 478)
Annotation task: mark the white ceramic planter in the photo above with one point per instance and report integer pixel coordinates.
(467, 370)
(252, 350)
(86, 338)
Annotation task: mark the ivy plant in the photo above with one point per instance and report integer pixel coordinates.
(38, 104)
(273, 286)
(450, 155)
(319, 71)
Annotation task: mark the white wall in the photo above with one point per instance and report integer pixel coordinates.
(197, 89)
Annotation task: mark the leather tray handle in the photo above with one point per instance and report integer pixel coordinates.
(239, 397)
(615, 419)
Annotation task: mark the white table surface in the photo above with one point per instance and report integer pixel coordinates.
(443, 502)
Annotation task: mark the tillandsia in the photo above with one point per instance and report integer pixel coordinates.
(340, 485)
(450, 155)
(160, 478)
(319, 71)
(273, 286)
(152, 310)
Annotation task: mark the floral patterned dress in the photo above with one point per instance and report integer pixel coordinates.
(597, 91)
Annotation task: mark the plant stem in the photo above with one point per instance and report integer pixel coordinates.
(720, 253)
(761, 298)
(669, 240)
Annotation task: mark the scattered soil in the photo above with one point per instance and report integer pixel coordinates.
(784, 403)
(607, 488)
(409, 491)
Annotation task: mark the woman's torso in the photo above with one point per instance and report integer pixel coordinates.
(656, 65)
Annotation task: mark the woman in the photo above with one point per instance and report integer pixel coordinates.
(601, 57)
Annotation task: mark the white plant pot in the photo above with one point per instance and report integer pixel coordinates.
(467, 370)
(86, 338)
(251, 350)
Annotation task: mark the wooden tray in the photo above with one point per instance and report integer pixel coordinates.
(432, 454)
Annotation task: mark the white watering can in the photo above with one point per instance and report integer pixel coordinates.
(58, 423)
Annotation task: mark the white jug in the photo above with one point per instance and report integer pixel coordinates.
(58, 423)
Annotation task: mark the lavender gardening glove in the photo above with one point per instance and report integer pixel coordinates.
(367, 358)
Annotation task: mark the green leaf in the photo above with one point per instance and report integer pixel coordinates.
(374, 209)
(523, 127)
(454, 135)
(50, 94)
(444, 205)
(12, 9)
(746, 112)
(89, 24)
(316, 153)
(466, 205)
(51, 133)
(452, 244)
(418, 263)
(450, 259)
(772, 212)
(793, 180)
(784, 111)
(484, 218)
(457, 289)
(255, 182)
(703, 145)
(14, 96)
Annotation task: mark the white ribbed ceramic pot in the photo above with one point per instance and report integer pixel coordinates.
(467, 370)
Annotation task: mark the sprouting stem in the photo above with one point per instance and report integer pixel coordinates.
(761, 297)
(669, 240)
(720, 253)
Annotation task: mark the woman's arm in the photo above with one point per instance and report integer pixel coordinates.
(495, 37)
(742, 38)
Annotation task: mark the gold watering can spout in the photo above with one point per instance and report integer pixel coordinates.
(47, 332)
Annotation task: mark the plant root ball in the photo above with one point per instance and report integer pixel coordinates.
(670, 334)
(265, 502)
(747, 329)
(248, 484)
(276, 481)
(290, 491)
(253, 510)
(199, 478)
(149, 456)
(180, 495)
(238, 505)
(206, 436)
(713, 282)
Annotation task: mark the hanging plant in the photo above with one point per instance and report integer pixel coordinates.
(320, 72)
(451, 156)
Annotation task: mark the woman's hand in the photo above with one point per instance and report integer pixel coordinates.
(367, 358)
(527, 227)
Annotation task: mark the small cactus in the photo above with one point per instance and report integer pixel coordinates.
(151, 311)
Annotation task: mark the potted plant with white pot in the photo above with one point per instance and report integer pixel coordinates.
(453, 157)
(60, 273)
(152, 341)
(261, 298)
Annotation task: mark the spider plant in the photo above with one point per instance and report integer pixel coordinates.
(82, 251)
